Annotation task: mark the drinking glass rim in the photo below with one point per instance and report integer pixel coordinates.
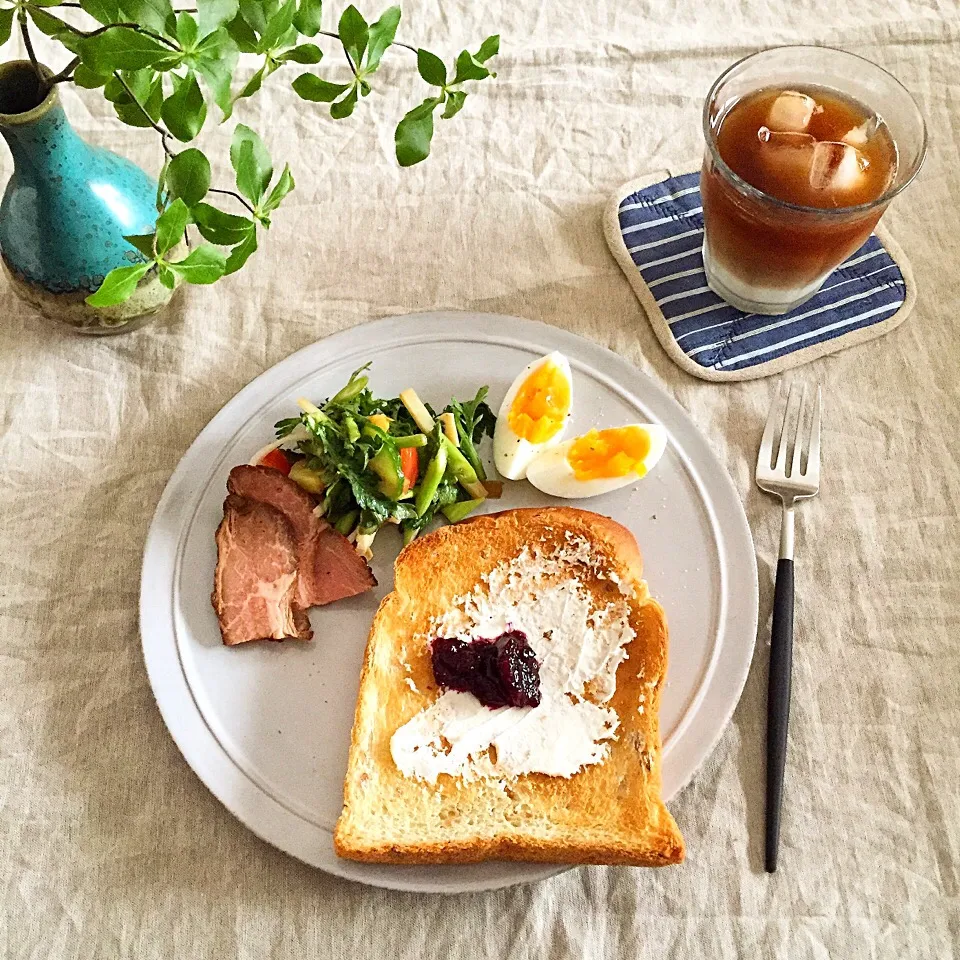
(758, 194)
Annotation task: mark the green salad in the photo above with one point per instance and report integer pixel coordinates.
(371, 461)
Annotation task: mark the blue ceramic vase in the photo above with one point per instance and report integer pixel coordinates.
(66, 210)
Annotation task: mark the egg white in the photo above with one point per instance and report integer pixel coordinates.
(551, 473)
(511, 453)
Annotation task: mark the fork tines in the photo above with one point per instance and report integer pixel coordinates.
(792, 430)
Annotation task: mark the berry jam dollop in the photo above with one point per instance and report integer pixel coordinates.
(499, 673)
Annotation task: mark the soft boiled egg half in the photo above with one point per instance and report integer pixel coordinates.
(533, 414)
(599, 461)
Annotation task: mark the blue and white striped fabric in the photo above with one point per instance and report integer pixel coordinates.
(662, 229)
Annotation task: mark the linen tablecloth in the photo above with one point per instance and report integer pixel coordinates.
(111, 847)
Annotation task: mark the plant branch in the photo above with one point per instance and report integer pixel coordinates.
(28, 43)
(65, 74)
(396, 43)
(159, 37)
(234, 194)
(153, 123)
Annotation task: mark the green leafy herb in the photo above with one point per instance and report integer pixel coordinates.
(474, 420)
(360, 462)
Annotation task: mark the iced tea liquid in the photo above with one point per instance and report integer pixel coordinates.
(808, 146)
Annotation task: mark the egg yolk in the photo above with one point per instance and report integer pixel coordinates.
(541, 404)
(601, 454)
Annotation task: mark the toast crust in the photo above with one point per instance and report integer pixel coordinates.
(608, 813)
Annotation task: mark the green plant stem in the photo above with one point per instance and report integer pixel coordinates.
(234, 194)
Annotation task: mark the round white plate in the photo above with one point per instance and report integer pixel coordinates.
(266, 726)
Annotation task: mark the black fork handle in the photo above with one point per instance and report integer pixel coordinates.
(778, 704)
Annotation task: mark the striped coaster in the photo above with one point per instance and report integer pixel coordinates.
(654, 227)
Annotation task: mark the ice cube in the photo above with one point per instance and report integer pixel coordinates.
(786, 155)
(836, 166)
(791, 112)
(859, 136)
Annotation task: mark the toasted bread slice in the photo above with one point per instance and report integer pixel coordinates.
(610, 812)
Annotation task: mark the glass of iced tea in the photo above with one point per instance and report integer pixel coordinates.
(805, 149)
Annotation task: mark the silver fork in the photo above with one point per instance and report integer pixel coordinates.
(793, 424)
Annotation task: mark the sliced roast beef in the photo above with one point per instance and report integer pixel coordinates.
(255, 585)
(329, 568)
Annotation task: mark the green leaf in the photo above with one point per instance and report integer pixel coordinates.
(381, 35)
(304, 53)
(248, 183)
(454, 104)
(118, 285)
(103, 11)
(161, 184)
(309, 87)
(343, 108)
(214, 61)
(155, 15)
(256, 13)
(354, 33)
(469, 69)
(121, 48)
(185, 110)
(213, 14)
(243, 35)
(114, 90)
(53, 27)
(187, 31)
(188, 176)
(252, 86)
(431, 68)
(167, 277)
(414, 133)
(283, 186)
(203, 265)
(241, 252)
(84, 77)
(307, 17)
(6, 24)
(147, 88)
(144, 243)
(140, 83)
(277, 27)
(171, 225)
(225, 229)
(45, 22)
(489, 48)
(251, 161)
